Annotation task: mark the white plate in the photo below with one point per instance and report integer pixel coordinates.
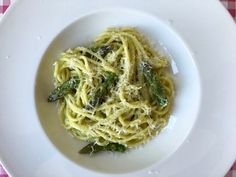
(200, 139)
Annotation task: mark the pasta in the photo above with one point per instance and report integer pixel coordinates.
(114, 101)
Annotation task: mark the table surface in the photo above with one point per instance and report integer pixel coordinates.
(229, 4)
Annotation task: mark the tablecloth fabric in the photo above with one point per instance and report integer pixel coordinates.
(229, 4)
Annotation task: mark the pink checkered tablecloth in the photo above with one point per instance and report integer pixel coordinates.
(229, 4)
(4, 4)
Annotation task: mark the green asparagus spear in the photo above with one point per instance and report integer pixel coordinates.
(154, 84)
(101, 92)
(67, 87)
(95, 148)
(103, 51)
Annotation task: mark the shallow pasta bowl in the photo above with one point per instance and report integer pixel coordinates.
(201, 128)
